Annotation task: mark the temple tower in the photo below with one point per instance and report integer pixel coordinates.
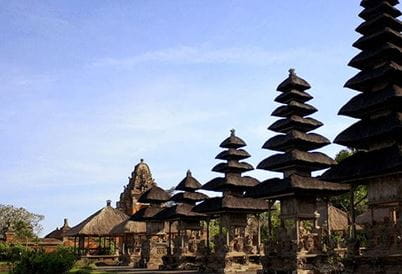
(235, 248)
(139, 182)
(377, 136)
(190, 241)
(296, 246)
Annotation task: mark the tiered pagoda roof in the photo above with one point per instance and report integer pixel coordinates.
(378, 133)
(185, 201)
(295, 142)
(154, 196)
(233, 184)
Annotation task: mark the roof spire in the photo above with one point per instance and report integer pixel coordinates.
(232, 132)
(292, 72)
(188, 173)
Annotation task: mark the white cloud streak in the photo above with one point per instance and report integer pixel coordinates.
(202, 55)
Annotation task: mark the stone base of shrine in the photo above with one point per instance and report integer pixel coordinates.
(390, 264)
(302, 264)
(183, 262)
(233, 262)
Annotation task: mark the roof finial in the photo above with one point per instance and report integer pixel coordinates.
(108, 203)
(188, 173)
(141, 160)
(65, 222)
(232, 132)
(292, 72)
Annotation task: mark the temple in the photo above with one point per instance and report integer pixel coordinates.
(237, 247)
(298, 243)
(377, 136)
(190, 241)
(288, 224)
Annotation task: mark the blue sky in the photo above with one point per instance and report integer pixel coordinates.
(90, 87)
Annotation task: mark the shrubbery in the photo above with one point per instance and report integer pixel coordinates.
(38, 262)
(11, 253)
(25, 260)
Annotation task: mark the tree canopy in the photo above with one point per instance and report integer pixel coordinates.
(25, 224)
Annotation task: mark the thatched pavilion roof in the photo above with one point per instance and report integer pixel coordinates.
(230, 203)
(180, 212)
(146, 214)
(154, 195)
(100, 223)
(189, 183)
(129, 226)
(296, 185)
(59, 233)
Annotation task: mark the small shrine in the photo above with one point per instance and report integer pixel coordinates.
(236, 249)
(376, 136)
(299, 244)
(190, 243)
(154, 245)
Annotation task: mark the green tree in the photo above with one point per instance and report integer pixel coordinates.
(360, 192)
(24, 223)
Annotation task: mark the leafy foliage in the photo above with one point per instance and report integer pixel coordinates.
(11, 253)
(360, 192)
(38, 262)
(24, 223)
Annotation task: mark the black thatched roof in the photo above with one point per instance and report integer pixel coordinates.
(229, 203)
(189, 183)
(363, 165)
(295, 123)
(233, 141)
(293, 82)
(294, 108)
(379, 9)
(380, 76)
(293, 95)
(179, 212)
(188, 197)
(154, 195)
(379, 106)
(146, 214)
(297, 159)
(230, 182)
(375, 3)
(295, 144)
(365, 133)
(362, 105)
(232, 166)
(233, 154)
(296, 185)
(296, 139)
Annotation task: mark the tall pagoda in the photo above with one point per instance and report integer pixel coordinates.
(154, 246)
(188, 243)
(298, 243)
(377, 137)
(238, 249)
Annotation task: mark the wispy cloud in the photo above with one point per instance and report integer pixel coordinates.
(203, 55)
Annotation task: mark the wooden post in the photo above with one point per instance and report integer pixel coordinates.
(170, 238)
(269, 219)
(353, 212)
(208, 244)
(328, 217)
(258, 233)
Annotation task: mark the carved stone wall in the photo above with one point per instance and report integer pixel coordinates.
(139, 182)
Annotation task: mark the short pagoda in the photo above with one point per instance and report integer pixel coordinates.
(154, 245)
(377, 137)
(238, 249)
(190, 241)
(298, 241)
